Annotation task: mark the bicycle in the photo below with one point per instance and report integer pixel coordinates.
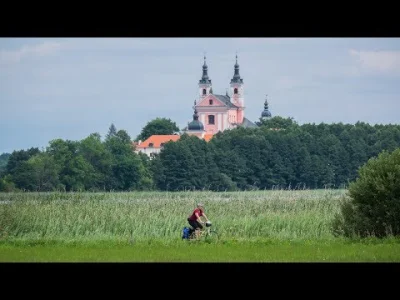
(206, 233)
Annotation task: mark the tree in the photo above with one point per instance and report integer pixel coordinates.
(44, 172)
(178, 166)
(3, 162)
(18, 157)
(6, 184)
(374, 204)
(124, 137)
(22, 176)
(146, 181)
(112, 131)
(127, 172)
(18, 168)
(126, 166)
(277, 123)
(157, 126)
(94, 152)
(75, 172)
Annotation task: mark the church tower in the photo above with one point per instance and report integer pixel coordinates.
(195, 127)
(237, 92)
(266, 114)
(204, 82)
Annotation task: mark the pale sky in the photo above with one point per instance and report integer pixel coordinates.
(69, 88)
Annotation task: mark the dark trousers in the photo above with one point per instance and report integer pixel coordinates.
(195, 224)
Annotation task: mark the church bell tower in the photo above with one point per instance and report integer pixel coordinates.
(204, 82)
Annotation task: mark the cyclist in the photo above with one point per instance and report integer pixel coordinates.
(195, 219)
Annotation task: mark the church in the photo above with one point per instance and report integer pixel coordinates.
(213, 113)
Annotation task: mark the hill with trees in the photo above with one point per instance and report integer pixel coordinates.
(278, 154)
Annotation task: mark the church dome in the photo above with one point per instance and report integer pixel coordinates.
(266, 113)
(195, 125)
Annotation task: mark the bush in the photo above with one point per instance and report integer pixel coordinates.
(373, 207)
(6, 184)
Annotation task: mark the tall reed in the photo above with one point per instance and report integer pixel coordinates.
(277, 214)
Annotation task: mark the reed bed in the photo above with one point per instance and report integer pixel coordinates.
(139, 216)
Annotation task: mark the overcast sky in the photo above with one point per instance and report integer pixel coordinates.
(69, 88)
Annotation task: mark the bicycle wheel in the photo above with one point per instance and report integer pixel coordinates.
(212, 235)
(193, 237)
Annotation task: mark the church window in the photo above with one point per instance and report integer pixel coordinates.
(204, 91)
(211, 102)
(211, 119)
(235, 90)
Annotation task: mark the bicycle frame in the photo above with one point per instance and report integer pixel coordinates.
(206, 232)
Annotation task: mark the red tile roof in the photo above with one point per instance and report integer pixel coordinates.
(208, 136)
(157, 140)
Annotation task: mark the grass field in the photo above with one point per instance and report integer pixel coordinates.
(262, 251)
(146, 226)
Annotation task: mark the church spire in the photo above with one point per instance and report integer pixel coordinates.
(204, 77)
(195, 115)
(266, 103)
(236, 77)
(266, 114)
(195, 125)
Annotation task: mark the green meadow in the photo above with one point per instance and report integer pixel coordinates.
(253, 226)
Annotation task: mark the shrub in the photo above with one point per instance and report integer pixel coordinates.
(373, 206)
(6, 184)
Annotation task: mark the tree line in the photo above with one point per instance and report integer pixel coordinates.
(280, 153)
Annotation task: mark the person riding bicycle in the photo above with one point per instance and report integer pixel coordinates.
(195, 219)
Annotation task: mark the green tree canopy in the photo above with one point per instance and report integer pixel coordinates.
(112, 131)
(157, 126)
(277, 123)
(3, 161)
(374, 204)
